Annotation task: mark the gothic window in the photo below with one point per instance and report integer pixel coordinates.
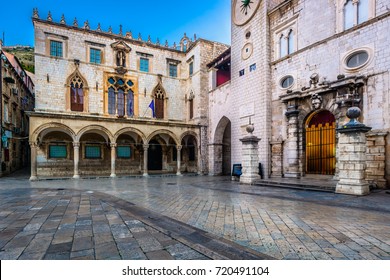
(120, 99)
(363, 10)
(76, 94)
(159, 102)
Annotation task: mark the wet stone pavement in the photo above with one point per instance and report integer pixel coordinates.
(187, 217)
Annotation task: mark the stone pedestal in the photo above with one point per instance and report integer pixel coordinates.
(352, 156)
(250, 158)
(292, 145)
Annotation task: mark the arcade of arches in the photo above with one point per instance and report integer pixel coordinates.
(58, 150)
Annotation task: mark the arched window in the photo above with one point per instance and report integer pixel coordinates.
(363, 10)
(349, 14)
(76, 94)
(290, 43)
(120, 99)
(159, 103)
(283, 46)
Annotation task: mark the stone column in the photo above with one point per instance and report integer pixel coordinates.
(250, 157)
(178, 148)
(34, 147)
(76, 159)
(146, 147)
(292, 145)
(113, 157)
(352, 156)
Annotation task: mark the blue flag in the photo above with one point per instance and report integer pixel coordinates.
(151, 106)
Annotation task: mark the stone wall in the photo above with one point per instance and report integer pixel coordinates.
(376, 158)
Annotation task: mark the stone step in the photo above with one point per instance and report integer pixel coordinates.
(293, 185)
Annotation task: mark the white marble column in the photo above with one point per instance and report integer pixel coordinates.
(34, 147)
(113, 157)
(76, 159)
(178, 148)
(146, 147)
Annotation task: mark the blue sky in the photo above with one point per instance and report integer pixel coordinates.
(166, 20)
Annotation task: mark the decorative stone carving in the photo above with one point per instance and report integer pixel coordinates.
(316, 101)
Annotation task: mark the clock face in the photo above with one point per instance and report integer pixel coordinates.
(243, 10)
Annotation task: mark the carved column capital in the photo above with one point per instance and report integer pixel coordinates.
(113, 145)
(145, 146)
(179, 147)
(76, 144)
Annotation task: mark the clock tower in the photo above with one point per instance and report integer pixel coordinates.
(250, 55)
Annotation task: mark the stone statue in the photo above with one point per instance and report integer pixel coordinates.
(316, 101)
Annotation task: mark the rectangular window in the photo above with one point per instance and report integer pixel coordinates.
(6, 114)
(144, 64)
(55, 48)
(191, 68)
(242, 72)
(57, 151)
(95, 56)
(252, 67)
(173, 70)
(92, 152)
(123, 151)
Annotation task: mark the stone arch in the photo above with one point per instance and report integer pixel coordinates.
(130, 129)
(219, 131)
(104, 132)
(192, 133)
(49, 127)
(163, 131)
(220, 150)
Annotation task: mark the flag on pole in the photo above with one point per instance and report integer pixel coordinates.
(151, 106)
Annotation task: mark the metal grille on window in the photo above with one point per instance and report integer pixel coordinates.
(57, 151)
(92, 152)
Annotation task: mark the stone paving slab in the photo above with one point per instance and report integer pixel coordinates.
(100, 227)
(280, 223)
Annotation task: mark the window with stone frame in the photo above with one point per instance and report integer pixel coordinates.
(355, 12)
(120, 99)
(144, 64)
(159, 97)
(286, 43)
(172, 70)
(56, 48)
(95, 56)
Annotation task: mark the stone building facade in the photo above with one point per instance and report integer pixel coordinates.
(296, 67)
(16, 98)
(113, 104)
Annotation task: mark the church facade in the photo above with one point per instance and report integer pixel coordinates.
(296, 67)
(113, 104)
